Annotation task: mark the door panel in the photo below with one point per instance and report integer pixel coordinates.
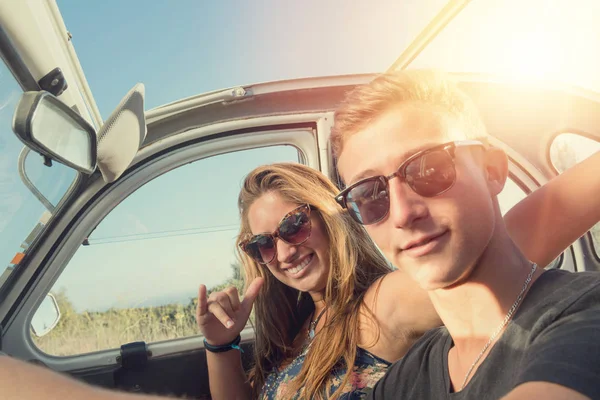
(183, 375)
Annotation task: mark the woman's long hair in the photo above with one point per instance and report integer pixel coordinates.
(355, 264)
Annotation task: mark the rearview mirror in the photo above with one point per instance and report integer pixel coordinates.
(48, 126)
(46, 316)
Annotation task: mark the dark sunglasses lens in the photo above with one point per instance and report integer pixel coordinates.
(431, 174)
(295, 228)
(261, 248)
(369, 202)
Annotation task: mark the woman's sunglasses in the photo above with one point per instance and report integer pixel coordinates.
(294, 229)
(428, 173)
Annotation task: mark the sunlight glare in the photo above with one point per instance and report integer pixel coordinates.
(532, 41)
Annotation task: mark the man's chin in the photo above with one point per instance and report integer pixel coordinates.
(431, 278)
(431, 286)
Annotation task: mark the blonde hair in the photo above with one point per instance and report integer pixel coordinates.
(280, 311)
(367, 102)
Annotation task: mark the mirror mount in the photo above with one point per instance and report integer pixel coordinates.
(54, 82)
(28, 183)
(47, 161)
(49, 127)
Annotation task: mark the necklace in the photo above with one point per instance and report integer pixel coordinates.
(313, 325)
(507, 318)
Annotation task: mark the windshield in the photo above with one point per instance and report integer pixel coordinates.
(554, 40)
(23, 217)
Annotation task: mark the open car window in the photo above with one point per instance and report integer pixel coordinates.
(136, 276)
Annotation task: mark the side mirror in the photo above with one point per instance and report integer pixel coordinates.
(46, 316)
(48, 126)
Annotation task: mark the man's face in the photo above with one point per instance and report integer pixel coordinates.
(437, 240)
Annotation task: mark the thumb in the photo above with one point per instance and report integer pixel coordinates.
(251, 294)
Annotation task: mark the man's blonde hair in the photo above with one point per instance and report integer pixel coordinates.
(367, 102)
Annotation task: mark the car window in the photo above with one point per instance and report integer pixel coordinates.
(136, 277)
(568, 149)
(22, 216)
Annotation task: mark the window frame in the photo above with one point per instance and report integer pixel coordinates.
(103, 198)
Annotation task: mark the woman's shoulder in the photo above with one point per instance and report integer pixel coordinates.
(395, 312)
(404, 306)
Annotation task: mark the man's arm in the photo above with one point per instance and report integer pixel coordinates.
(547, 221)
(22, 381)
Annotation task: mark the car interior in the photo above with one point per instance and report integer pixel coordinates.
(132, 202)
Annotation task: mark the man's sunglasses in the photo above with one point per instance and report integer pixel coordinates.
(428, 173)
(294, 229)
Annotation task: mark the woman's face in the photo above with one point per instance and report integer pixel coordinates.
(304, 267)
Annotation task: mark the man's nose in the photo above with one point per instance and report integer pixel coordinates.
(406, 206)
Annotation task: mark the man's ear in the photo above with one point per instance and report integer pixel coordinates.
(495, 168)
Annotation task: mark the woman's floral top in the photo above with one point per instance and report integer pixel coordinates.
(368, 369)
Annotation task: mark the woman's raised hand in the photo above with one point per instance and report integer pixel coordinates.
(223, 315)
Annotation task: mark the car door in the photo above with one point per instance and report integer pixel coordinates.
(123, 260)
(129, 258)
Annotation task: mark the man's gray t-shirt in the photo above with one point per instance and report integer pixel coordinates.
(553, 337)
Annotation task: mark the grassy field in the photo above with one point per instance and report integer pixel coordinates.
(78, 333)
(86, 332)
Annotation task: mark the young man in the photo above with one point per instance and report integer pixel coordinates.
(411, 148)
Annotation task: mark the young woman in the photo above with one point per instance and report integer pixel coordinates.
(308, 269)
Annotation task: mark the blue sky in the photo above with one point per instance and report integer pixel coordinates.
(19, 210)
(181, 48)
